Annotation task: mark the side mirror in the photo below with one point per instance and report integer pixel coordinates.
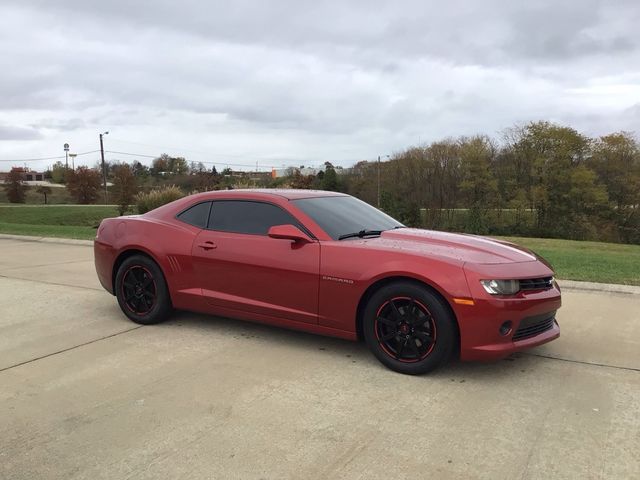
(288, 232)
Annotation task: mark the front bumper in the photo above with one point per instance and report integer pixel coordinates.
(496, 351)
(480, 336)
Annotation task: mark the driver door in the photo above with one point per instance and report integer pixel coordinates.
(240, 267)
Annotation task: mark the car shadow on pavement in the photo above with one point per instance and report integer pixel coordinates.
(351, 352)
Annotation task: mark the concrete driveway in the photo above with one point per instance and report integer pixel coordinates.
(84, 393)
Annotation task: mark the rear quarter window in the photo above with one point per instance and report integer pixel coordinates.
(197, 215)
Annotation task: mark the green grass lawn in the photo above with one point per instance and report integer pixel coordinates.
(572, 260)
(58, 195)
(68, 221)
(588, 261)
(62, 231)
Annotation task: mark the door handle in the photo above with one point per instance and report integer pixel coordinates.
(207, 245)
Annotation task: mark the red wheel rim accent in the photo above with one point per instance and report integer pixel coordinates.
(405, 329)
(138, 289)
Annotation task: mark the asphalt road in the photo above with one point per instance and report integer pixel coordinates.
(84, 393)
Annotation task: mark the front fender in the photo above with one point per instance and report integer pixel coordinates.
(348, 273)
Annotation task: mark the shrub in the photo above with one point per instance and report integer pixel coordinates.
(15, 187)
(156, 198)
(124, 186)
(83, 184)
(58, 173)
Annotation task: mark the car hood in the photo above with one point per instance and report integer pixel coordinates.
(453, 246)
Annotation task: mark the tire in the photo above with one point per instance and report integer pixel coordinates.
(142, 291)
(409, 328)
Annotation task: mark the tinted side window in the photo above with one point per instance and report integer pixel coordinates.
(196, 215)
(247, 217)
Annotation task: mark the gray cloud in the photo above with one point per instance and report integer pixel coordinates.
(8, 132)
(312, 80)
(60, 124)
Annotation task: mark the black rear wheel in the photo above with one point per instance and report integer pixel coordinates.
(408, 328)
(142, 290)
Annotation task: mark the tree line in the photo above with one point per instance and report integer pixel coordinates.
(541, 179)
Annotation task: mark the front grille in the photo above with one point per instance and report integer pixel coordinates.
(532, 326)
(544, 283)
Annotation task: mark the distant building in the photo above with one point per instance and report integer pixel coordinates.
(34, 176)
(31, 177)
(27, 175)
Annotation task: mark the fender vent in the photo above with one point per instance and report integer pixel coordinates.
(174, 263)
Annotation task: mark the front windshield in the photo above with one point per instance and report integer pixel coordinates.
(344, 215)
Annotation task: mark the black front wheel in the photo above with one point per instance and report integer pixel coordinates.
(409, 328)
(142, 290)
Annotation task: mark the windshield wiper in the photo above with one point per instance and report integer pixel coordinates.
(360, 234)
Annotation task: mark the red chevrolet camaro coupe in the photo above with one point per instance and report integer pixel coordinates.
(328, 263)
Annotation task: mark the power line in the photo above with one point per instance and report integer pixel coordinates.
(160, 147)
(132, 154)
(219, 164)
(21, 160)
(237, 164)
(205, 162)
(267, 160)
(272, 163)
(87, 153)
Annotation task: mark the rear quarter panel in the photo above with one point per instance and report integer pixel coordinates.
(169, 244)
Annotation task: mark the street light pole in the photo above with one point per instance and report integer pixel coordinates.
(104, 170)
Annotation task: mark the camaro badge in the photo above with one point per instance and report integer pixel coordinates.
(339, 280)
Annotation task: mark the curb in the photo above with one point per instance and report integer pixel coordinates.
(564, 284)
(30, 238)
(599, 287)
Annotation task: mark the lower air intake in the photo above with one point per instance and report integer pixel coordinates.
(532, 326)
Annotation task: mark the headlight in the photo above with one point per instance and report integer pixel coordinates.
(501, 287)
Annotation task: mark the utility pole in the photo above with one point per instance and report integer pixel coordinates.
(104, 169)
(379, 177)
(378, 181)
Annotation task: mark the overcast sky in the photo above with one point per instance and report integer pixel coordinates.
(301, 82)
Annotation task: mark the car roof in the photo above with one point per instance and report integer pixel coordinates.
(265, 194)
(289, 194)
